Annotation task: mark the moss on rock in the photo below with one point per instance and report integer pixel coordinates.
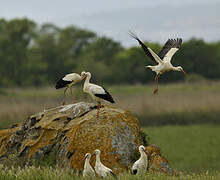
(71, 131)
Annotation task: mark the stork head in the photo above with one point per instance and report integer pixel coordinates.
(141, 148)
(97, 152)
(87, 156)
(83, 75)
(88, 74)
(179, 68)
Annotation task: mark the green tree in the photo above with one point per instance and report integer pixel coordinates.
(199, 57)
(71, 43)
(99, 57)
(15, 38)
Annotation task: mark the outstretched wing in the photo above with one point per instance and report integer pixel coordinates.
(147, 50)
(169, 49)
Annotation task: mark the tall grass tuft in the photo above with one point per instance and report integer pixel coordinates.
(49, 173)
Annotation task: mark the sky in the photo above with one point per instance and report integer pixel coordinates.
(154, 21)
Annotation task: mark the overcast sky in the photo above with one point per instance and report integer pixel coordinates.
(152, 20)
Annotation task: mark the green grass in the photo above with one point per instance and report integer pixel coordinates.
(167, 88)
(180, 103)
(211, 86)
(48, 173)
(192, 149)
(188, 148)
(198, 116)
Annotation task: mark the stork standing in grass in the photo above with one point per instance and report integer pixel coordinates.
(98, 93)
(163, 58)
(88, 170)
(140, 166)
(68, 81)
(101, 169)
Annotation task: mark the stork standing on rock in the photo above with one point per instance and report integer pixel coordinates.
(88, 170)
(101, 169)
(98, 93)
(68, 81)
(163, 58)
(140, 166)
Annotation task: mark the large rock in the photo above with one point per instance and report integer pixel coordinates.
(69, 132)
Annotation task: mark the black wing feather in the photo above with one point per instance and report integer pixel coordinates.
(171, 43)
(61, 83)
(106, 96)
(144, 47)
(134, 171)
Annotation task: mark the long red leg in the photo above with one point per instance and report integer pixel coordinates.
(64, 96)
(156, 84)
(72, 95)
(98, 108)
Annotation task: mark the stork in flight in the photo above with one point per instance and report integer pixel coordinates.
(163, 58)
(68, 81)
(98, 93)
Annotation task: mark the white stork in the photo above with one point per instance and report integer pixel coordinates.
(88, 170)
(163, 58)
(140, 166)
(68, 81)
(98, 93)
(101, 169)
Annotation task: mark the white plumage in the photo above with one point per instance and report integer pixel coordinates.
(163, 58)
(98, 93)
(140, 166)
(73, 77)
(101, 169)
(88, 170)
(68, 81)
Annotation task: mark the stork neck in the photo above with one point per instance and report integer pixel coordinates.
(88, 77)
(98, 159)
(86, 82)
(143, 154)
(175, 68)
(87, 162)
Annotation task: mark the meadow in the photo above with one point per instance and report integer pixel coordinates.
(183, 119)
(190, 149)
(180, 104)
(49, 173)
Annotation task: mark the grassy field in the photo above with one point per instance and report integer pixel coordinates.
(47, 173)
(183, 104)
(183, 119)
(192, 148)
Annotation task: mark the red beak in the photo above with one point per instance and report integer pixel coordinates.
(184, 72)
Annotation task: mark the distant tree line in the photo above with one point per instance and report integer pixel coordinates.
(33, 55)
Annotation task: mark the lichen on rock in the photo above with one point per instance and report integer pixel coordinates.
(71, 131)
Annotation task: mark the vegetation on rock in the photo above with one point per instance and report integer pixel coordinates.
(70, 132)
